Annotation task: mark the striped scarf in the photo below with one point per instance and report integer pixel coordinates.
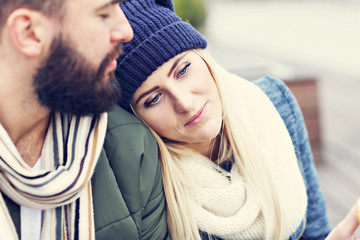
(62, 189)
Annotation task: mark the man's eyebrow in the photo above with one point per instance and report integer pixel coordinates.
(109, 4)
(117, 1)
(145, 93)
(175, 64)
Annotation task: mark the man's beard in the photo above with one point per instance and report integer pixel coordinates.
(67, 82)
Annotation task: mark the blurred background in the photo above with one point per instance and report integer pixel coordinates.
(314, 46)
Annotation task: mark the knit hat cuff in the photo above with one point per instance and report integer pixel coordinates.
(157, 49)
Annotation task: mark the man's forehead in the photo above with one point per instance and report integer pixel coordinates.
(93, 4)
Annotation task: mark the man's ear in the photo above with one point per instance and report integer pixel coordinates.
(28, 31)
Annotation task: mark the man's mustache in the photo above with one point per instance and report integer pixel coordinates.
(114, 54)
(117, 51)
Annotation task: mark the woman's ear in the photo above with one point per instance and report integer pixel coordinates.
(28, 31)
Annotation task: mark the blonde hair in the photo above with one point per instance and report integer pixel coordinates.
(237, 140)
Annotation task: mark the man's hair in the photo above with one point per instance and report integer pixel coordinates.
(47, 7)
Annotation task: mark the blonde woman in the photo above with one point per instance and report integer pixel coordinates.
(235, 156)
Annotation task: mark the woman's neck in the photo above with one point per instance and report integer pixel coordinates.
(208, 149)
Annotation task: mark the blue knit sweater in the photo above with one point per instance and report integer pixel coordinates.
(316, 225)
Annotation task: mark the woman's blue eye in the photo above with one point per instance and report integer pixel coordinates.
(183, 71)
(153, 101)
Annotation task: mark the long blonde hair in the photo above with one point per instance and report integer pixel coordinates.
(237, 140)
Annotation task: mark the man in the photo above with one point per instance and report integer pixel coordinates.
(57, 59)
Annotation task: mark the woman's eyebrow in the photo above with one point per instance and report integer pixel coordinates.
(145, 93)
(175, 64)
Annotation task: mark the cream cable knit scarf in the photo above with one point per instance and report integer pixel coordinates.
(223, 203)
(63, 188)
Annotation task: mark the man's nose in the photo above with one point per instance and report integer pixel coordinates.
(122, 31)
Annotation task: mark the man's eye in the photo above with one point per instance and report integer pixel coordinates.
(104, 16)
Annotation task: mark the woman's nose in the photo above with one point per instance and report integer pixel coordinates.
(183, 100)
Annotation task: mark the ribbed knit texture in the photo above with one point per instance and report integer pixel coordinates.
(159, 35)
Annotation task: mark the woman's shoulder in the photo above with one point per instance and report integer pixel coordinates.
(282, 98)
(289, 110)
(277, 91)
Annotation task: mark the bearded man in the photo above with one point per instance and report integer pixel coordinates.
(57, 62)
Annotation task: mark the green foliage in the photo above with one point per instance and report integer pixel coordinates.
(192, 11)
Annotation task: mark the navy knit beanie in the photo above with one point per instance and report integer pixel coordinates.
(159, 35)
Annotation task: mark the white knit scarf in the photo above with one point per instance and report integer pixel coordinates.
(62, 190)
(223, 203)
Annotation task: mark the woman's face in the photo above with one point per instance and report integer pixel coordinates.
(180, 100)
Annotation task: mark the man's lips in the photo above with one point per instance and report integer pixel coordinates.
(197, 117)
(113, 55)
(112, 65)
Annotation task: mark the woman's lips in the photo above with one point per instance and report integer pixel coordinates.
(197, 118)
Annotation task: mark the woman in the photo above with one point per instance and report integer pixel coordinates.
(235, 157)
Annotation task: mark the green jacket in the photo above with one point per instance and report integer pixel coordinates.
(129, 202)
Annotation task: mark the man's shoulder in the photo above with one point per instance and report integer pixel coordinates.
(118, 117)
(126, 177)
(128, 137)
(126, 130)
